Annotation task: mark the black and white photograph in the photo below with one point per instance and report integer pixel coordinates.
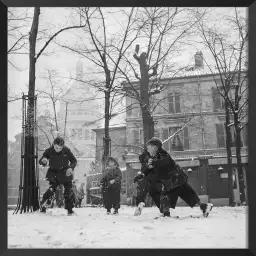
(127, 127)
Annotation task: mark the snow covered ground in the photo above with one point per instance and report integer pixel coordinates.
(226, 227)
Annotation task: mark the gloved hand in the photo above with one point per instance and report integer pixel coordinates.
(44, 161)
(69, 172)
(112, 181)
(139, 176)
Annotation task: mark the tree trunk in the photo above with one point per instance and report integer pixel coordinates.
(229, 154)
(106, 139)
(147, 118)
(30, 191)
(65, 125)
(106, 136)
(55, 117)
(239, 160)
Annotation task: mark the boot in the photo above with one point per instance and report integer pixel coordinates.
(206, 208)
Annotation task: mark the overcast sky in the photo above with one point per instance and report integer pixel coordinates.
(63, 61)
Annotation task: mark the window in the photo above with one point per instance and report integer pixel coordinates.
(179, 142)
(92, 135)
(174, 102)
(218, 101)
(136, 137)
(141, 137)
(221, 136)
(129, 110)
(86, 134)
(79, 134)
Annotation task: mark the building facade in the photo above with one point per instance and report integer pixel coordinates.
(191, 103)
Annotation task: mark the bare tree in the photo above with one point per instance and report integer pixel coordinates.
(18, 22)
(163, 37)
(105, 51)
(228, 48)
(30, 199)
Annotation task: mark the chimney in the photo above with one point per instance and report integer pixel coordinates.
(199, 60)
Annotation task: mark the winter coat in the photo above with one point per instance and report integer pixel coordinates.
(153, 182)
(75, 193)
(80, 193)
(59, 162)
(166, 170)
(111, 173)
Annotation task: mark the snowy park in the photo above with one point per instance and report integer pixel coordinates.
(226, 227)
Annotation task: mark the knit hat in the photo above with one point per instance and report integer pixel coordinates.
(155, 142)
(113, 160)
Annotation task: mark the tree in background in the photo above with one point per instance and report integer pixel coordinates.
(228, 47)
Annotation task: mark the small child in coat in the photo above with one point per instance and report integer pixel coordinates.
(80, 194)
(111, 185)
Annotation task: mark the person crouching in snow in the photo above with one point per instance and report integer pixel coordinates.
(111, 185)
(61, 163)
(173, 179)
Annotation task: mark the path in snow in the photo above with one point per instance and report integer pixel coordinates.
(226, 227)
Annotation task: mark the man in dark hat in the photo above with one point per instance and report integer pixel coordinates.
(61, 163)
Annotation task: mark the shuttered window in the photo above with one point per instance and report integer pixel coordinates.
(174, 103)
(177, 103)
(220, 135)
(218, 102)
(141, 137)
(170, 102)
(136, 137)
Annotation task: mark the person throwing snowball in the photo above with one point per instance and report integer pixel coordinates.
(61, 163)
(173, 179)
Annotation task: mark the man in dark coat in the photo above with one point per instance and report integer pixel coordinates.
(111, 185)
(173, 179)
(61, 163)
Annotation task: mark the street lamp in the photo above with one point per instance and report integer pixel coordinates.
(223, 175)
(220, 169)
(189, 170)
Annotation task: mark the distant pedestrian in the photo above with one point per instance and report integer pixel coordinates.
(80, 195)
(75, 193)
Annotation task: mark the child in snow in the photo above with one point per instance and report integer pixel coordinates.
(75, 193)
(111, 185)
(61, 167)
(173, 179)
(80, 194)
